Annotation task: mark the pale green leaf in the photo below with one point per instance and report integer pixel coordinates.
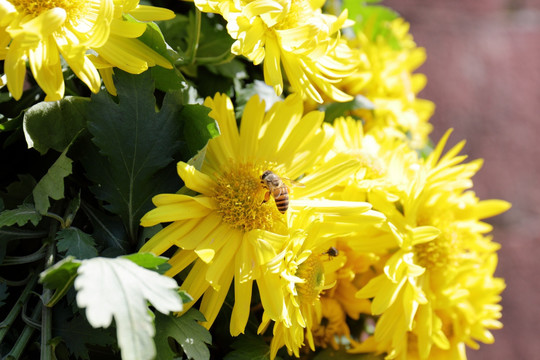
(54, 124)
(60, 277)
(150, 261)
(119, 288)
(20, 216)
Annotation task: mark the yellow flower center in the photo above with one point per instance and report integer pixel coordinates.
(240, 196)
(374, 167)
(438, 254)
(312, 271)
(33, 8)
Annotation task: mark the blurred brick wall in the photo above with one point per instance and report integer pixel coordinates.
(483, 69)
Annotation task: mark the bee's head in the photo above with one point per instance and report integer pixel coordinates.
(265, 174)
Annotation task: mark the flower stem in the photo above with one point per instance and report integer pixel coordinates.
(15, 310)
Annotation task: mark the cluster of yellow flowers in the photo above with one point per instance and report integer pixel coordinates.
(92, 36)
(373, 227)
(373, 220)
(366, 225)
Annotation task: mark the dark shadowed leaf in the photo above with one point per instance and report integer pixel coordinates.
(249, 347)
(75, 242)
(108, 230)
(135, 142)
(186, 330)
(76, 332)
(198, 127)
(52, 183)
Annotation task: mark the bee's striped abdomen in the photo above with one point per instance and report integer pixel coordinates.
(281, 197)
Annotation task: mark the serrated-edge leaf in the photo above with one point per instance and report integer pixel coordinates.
(119, 288)
(187, 331)
(52, 183)
(198, 126)
(137, 142)
(20, 216)
(76, 243)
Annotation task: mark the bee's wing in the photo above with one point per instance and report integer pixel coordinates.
(292, 183)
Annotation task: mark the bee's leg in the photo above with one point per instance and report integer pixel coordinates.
(266, 197)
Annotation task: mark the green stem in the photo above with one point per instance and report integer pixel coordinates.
(26, 334)
(17, 260)
(16, 282)
(16, 309)
(192, 51)
(58, 218)
(46, 312)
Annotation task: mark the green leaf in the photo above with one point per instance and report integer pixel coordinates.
(52, 183)
(153, 38)
(186, 298)
(166, 79)
(214, 43)
(108, 230)
(186, 330)
(169, 79)
(119, 288)
(75, 332)
(336, 110)
(137, 142)
(150, 261)
(76, 243)
(20, 216)
(176, 32)
(18, 191)
(249, 347)
(373, 20)
(60, 277)
(234, 69)
(198, 127)
(244, 92)
(53, 125)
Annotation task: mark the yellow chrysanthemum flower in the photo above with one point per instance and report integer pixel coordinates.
(230, 208)
(306, 266)
(386, 78)
(43, 32)
(425, 297)
(340, 302)
(294, 34)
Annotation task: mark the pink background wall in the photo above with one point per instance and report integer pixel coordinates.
(483, 70)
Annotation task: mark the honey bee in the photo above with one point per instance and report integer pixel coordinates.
(278, 189)
(331, 252)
